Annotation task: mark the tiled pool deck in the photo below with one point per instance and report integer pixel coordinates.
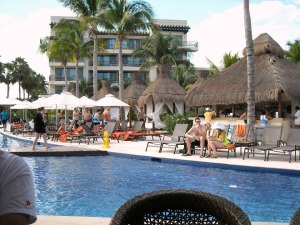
(137, 148)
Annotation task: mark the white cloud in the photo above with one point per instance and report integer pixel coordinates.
(224, 32)
(21, 38)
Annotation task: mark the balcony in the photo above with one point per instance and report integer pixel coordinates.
(192, 45)
(62, 78)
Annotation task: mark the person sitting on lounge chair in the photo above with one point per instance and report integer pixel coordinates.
(196, 134)
(218, 140)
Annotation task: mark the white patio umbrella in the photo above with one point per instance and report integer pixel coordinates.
(111, 101)
(23, 105)
(89, 102)
(66, 100)
(9, 102)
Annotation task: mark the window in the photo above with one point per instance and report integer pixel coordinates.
(107, 60)
(130, 61)
(71, 74)
(111, 76)
(109, 43)
(131, 44)
(59, 89)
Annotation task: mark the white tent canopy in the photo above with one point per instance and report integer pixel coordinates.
(9, 101)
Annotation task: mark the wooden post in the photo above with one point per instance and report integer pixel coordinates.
(233, 110)
(279, 105)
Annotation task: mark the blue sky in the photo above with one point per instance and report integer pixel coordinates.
(217, 25)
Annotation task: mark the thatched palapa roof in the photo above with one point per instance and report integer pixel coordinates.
(106, 89)
(273, 74)
(163, 89)
(134, 90)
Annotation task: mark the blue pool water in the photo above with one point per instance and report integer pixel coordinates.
(98, 185)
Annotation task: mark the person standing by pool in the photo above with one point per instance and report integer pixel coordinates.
(40, 128)
(96, 121)
(87, 116)
(106, 116)
(4, 118)
(76, 117)
(17, 195)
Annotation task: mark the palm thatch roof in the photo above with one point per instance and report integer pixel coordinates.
(163, 89)
(134, 90)
(106, 89)
(273, 74)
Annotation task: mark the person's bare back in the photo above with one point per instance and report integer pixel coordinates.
(106, 114)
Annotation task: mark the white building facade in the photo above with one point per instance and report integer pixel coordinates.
(107, 67)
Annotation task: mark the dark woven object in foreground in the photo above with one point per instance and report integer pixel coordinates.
(179, 207)
(296, 218)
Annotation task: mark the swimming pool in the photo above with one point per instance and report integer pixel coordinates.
(98, 185)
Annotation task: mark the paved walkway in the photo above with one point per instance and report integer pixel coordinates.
(138, 148)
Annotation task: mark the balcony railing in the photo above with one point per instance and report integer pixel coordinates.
(116, 63)
(62, 78)
(124, 46)
(190, 44)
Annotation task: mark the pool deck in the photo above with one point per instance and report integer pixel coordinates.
(137, 148)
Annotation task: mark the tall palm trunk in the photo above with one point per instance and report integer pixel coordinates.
(7, 92)
(19, 82)
(95, 63)
(77, 78)
(250, 70)
(121, 76)
(65, 75)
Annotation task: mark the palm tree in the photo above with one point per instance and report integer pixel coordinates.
(293, 53)
(81, 48)
(91, 14)
(21, 70)
(162, 51)
(185, 76)
(125, 18)
(226, 62)
(7, 77)
(250, 70)
(34, 84)
(58, 47)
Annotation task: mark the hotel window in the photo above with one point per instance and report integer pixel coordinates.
(111, 76)
(71, 74)
(109, 43)
(107, 60)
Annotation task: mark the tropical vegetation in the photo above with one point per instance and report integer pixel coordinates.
(293, 52)
(159, 50)
(227, 60)
(123, 18)
(90, 13)
(18, 71)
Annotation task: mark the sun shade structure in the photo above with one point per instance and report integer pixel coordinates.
(163, 90)
(134, 90)
(274, 74)
(106, 89)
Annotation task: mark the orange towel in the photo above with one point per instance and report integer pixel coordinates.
(240, 130)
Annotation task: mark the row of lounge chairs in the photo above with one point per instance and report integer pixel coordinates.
(269, 140)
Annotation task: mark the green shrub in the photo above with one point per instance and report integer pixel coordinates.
(171, 120)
